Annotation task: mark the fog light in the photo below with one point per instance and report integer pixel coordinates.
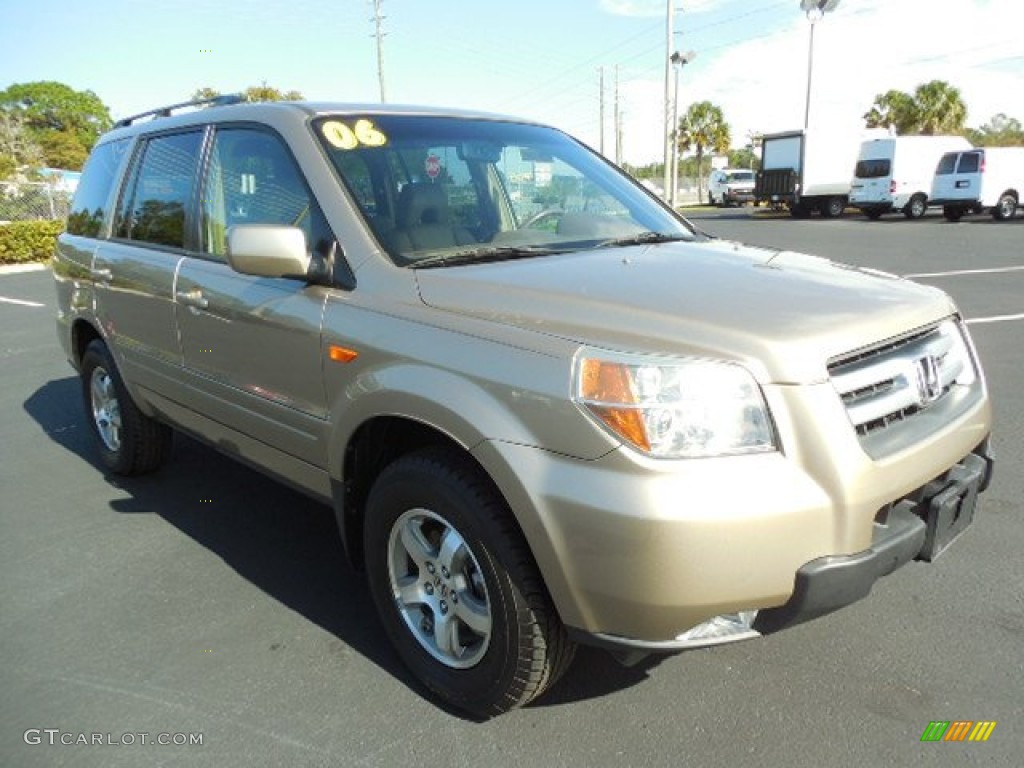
(726, 628)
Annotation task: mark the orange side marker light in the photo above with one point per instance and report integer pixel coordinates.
(341, 354)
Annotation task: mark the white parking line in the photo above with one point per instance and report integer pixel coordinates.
(992, 271)
(20, 303)
(993, 319)
(16, 269)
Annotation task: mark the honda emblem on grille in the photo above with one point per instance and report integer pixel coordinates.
(928, 386)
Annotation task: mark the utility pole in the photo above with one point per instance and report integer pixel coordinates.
(601, 88)
(618, 121)
(378, 22)
(667, 129)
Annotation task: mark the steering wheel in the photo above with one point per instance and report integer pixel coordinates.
(540, 216)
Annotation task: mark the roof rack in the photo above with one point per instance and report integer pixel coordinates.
(215, 101)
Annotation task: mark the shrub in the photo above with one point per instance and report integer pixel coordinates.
(26, 241)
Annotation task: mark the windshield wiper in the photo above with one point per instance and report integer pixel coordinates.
(644, 238)
(485, 255)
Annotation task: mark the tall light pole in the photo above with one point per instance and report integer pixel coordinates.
(815, 10)
(680, 60)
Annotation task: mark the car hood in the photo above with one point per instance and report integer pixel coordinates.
(783, 314)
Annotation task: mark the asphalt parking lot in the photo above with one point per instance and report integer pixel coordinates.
(209, 600)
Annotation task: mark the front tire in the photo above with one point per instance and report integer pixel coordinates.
(129, 442)
(456, 587)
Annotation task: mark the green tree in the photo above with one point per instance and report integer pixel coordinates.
(62, 149)
(261, 92)
(935, 107)
(1000, 131)
(894, 110)
(17, 149)
(744, 158)
(49, 108)
(940, 109)
(703, 128)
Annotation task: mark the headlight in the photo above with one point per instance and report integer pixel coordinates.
(674, 408)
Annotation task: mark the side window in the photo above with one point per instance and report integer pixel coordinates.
(968, 162)
(253, 179)
(89, 208)
(155, 203)
(946, 164)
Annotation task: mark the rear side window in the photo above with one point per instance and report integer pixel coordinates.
(872, 169)
(92, 197)
(156, 200)
(946, 164)
(969, 162)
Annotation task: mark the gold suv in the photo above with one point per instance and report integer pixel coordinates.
(546, 409)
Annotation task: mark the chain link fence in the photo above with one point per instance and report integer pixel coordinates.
(33, 201)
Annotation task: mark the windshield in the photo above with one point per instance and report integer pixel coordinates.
(439, 190)
(741, 176)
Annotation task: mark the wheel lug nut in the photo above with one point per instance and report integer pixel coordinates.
(445, 573)
(428, 588)
(430, 568)
(443, 607)
(455, 598)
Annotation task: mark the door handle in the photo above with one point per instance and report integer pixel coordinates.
(101, 275)
(193, 298)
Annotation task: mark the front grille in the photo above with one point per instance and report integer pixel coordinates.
(891, 382)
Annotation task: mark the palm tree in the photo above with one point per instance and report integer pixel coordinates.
(940, 109)
(894, 110)
(934, 108)
(703, 127)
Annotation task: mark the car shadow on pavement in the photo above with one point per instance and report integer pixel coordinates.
(284, 543)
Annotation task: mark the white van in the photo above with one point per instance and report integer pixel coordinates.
(731, 185)
(895, 173)
(985, 178)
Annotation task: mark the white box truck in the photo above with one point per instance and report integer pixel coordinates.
(895, 173)
(978, 179)
(806, 171)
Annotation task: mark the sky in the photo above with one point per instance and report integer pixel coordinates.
(538, 59)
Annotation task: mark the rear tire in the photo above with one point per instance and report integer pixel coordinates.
(952, 212)
(129, 442)
(1006, 208)
(833, 207)
(456, 587)
(916, 208)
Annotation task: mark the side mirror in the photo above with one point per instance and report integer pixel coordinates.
(268, 250)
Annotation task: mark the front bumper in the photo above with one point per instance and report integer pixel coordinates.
(919, 527)
(880, 207)
(739, 195)
(636, 553)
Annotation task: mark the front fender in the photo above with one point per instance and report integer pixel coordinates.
(469, 409)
